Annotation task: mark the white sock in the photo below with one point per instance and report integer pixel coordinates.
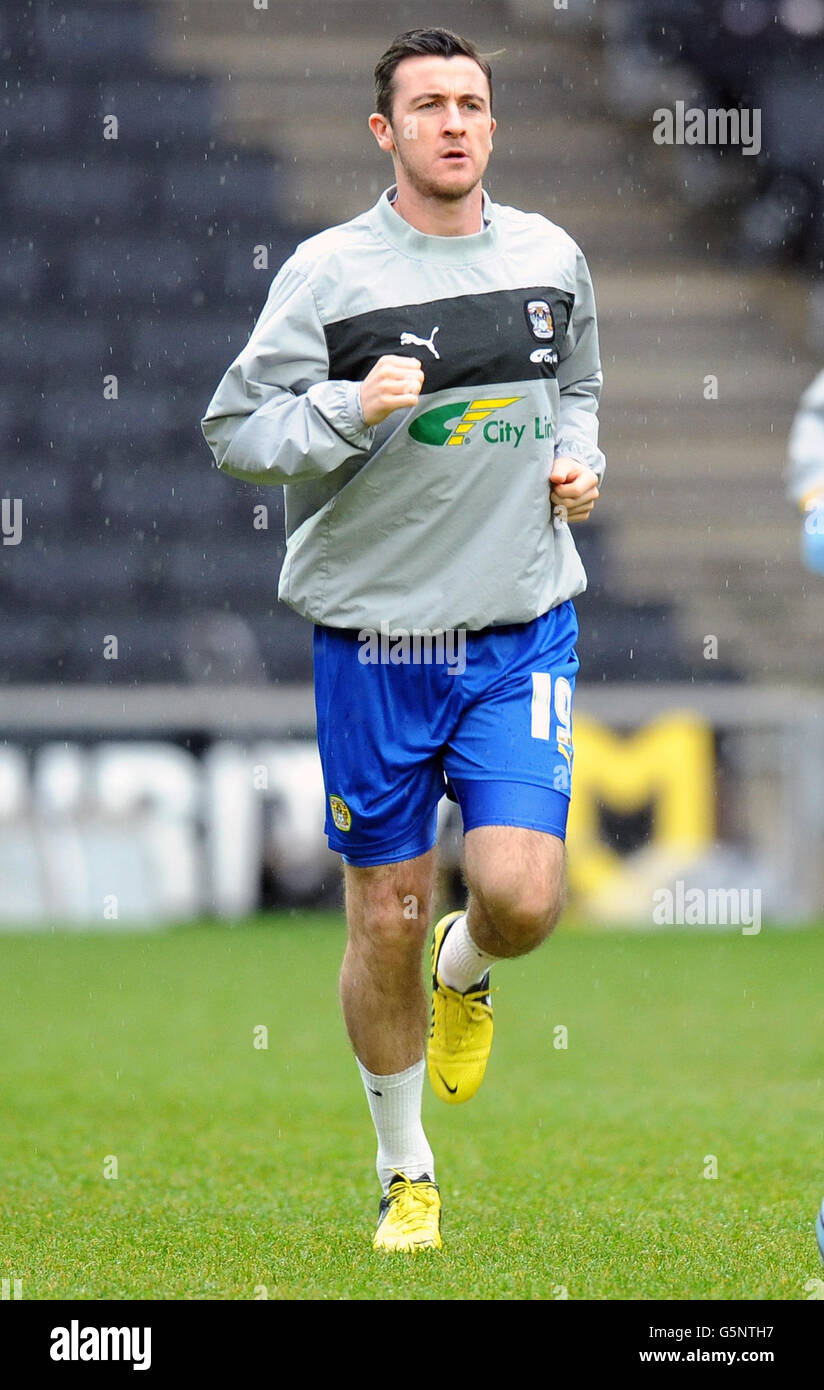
(462, 964)
(395, 1106)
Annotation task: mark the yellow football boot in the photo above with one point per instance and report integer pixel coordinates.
(409, 1217)
(460, 1036)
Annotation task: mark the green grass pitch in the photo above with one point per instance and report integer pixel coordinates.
(245, 1172)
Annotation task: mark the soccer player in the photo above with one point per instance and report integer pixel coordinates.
(424, 380)
(805, 472)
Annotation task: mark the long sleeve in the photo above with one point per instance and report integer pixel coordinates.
(580, 378)
(275, 418)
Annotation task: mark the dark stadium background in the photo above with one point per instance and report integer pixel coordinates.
(146, 257)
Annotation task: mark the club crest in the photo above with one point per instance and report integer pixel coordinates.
(341, 814)
(539, 318)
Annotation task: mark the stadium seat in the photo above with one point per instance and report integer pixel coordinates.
(46, 492)
(219, 184)
(107, 270)
(239, 278)
(592, 544)
(189, 347)
(693, 32)
(220, 648)
(747, 55)
(35, 113)
(34, 644)
(172, 492)
(79, 189)
(22, 269)
(195, 645)
(19, 40)
(285, 639)
(58, 575)
(790, 103)
(157, 111)
(145, 498)
(207, 574)
(16, 421)
(48, 348)
(138, 421)
(149, 648)
(621, 641)
(88, 37)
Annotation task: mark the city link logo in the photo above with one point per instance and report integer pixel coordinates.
(452, 424)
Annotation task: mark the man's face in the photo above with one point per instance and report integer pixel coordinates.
(440, 106)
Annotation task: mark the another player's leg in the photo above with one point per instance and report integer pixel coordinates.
(388, 911)
(516, 882)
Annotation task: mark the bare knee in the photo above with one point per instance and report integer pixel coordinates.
(524, 917)
(386, 924)
(519, 890)
(389, 908)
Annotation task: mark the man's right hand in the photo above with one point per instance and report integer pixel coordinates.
(394, 383)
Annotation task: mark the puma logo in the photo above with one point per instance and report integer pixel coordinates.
(409, 338)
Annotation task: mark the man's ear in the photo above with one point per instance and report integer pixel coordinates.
(382, 131)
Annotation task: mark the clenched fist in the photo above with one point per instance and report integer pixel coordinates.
(575, 488)
(394, 383)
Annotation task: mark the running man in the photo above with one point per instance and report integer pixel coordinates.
(424, 381)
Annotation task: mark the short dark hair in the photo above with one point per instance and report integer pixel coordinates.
(413, 44)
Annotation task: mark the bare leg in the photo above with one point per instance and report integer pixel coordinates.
(385, 1008)
(516, 883)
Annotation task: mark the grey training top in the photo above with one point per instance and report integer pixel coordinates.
(439, 517)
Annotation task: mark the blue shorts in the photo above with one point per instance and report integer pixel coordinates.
(486, 720)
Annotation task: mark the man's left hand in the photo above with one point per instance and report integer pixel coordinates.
(575, 487)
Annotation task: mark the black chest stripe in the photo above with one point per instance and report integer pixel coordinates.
(465, 340)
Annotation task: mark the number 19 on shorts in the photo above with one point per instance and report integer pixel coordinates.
(545, 699)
